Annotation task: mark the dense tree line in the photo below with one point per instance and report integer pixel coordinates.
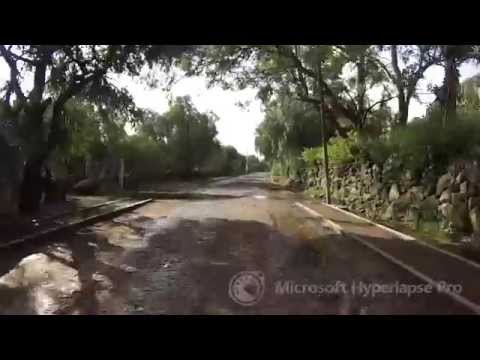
(72, 108)
(61, 73)
(183, 143)
(180, 143)
(298, 83)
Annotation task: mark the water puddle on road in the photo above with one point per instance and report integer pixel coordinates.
(259, 197)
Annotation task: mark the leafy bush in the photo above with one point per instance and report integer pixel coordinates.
(341, 151)
(145, 159)
(426, 141)
(429, 141)
(374, 150)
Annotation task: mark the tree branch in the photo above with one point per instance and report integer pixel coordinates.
(308, 99)
(343, 52)
(297, 63)
(300, 82)
(14, 74)
(352, 100)
(24, 59)
(327, 91)
(38, 83)
(396, 68)
(370, 108)
(424, 64)
(74, 88)
(77, 86)
(8, 93)
(385, 68)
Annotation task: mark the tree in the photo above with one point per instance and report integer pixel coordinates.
(59, 74)
(416, 60)
(470, 93)
(93, 134)
(291, 70)
(287, 128)
(187, 134)
(452, 57)
(254, 164)
(234, 162)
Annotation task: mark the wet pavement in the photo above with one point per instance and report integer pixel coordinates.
(255, 254)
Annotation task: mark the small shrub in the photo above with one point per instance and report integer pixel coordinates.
(427, 141)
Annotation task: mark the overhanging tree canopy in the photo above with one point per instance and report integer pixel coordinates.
(59, 74)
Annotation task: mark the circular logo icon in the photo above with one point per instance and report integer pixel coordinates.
(247, 287)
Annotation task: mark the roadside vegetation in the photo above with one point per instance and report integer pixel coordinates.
(63, 120)
(337, 123)
(71, 122)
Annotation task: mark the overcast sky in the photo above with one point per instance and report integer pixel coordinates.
(236, 126)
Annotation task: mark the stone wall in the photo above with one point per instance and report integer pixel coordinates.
(451, 200)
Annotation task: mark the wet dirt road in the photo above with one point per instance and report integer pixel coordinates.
(184, 257)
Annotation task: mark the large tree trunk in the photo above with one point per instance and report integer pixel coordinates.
(403, 97)
(361, 90)
(32, 186)
(402, 111)
(33, 183)
(451, 83)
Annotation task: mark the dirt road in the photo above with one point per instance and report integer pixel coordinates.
(180, 256)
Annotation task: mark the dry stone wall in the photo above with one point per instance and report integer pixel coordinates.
(452, 200)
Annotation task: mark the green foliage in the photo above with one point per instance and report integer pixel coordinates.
(145, 159)
(73, 72)
(255, 164)
(426, 142)
(234, 162)
(375, 150)
(180, 142)
(276, 169)
(312, 156)
(341, 151)
(288, 127)
(429, 138)
(92, 132)
(188, 134)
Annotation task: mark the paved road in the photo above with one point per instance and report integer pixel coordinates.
(180, 256)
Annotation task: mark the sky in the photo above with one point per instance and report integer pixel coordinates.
(236, 126)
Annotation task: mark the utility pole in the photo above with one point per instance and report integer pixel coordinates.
(324, 136)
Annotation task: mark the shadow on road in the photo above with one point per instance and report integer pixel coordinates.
(184, 266)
